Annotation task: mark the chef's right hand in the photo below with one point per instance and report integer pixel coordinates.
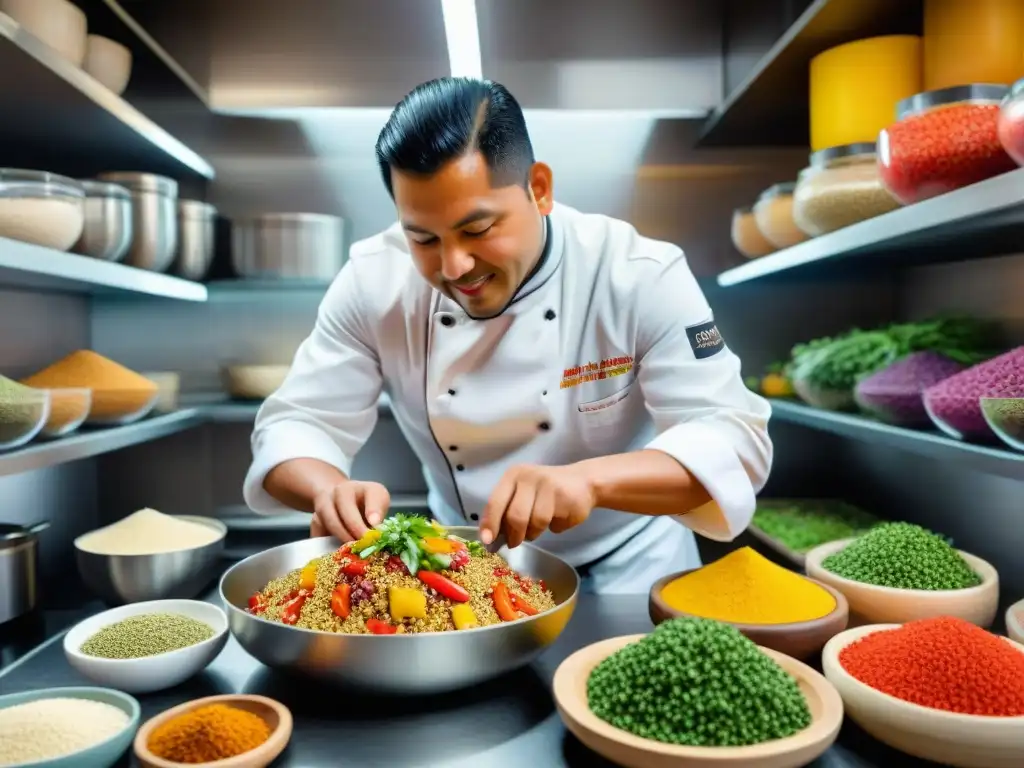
(349, 509)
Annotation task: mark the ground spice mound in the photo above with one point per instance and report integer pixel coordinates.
(699, 683)
(942, 663)
(206, 734)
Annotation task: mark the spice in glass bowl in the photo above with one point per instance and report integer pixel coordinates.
(23, 411)
(148, 635)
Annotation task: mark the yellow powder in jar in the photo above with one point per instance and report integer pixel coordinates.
(746, 588)
(117, 391)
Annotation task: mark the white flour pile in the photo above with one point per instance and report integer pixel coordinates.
(147, 532)
(48, 728)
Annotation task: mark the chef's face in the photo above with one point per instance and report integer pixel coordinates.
(474, 242)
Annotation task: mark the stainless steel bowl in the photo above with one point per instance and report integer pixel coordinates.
(414, 663)
(121, 579)
(288, 246)
(154, 218)
(196, 221)
(107, 233)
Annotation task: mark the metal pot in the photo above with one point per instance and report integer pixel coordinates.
(289, 245)
(196, 221)
(18, 556)
(107, 233)
(154, 218)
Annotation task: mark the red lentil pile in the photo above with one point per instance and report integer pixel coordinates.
(942, 663)
(941, 149)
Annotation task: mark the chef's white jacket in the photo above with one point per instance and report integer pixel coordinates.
(609, 347)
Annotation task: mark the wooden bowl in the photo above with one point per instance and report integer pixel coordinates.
(621, 747)
(1015, 622)
(886, 605)
(801, 639)
(276, 715)
(949, 738)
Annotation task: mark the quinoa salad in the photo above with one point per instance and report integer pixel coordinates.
(406, 575)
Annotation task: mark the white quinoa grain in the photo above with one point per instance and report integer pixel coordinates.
(49, 728)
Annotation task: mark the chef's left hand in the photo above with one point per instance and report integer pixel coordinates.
(531, 499)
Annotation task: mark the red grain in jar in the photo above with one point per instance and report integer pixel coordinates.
(1011, 123)
(941, 141)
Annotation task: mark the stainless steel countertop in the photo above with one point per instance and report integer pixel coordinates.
(507, 723)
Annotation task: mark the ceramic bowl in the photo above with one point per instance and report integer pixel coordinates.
(102, 755)
(570, 692)
(69, 409)
(149, 673)
(800, 640)
(825, 399)
(253, 382)
(959, 428)
(1015, 622)
(275, 714)
(949, 738)
(886, 605)
(1005, 416)
(119, 407)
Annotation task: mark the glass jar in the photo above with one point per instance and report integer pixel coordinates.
(943, 140)
(1011, 122)
(747, 237)
(773, 213)
(40, 208)
(840, 187)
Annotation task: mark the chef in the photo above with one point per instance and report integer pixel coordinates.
(561, 377)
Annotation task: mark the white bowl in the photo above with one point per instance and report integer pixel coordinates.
(1015, 621)
(870, 604)
(58, 23)
(253, 382)
(949, 738)
(108, 62)
(150, 673)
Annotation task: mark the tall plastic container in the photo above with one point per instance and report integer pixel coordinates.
(973, 41)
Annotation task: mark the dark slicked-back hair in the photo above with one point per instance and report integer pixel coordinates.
(444, 119)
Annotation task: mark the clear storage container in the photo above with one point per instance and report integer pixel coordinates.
(942, 141)
(747, 237)
(773, 212)
(840, 187)
(41, 208)
(1011, 123)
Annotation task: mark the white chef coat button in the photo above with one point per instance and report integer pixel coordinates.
(451, 391)
(453, 448)
(459, 467)
(549, 315)
(474, 516)
(544, 426)
(447, 321)
(544, 393)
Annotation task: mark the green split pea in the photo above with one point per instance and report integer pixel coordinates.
(146, 635)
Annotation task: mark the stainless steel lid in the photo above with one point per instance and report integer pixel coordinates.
(196, 209)
(104, 189)
(15, 179)
(778, 190)
(142, 182)
(294, 218)
(978, 92)
(826, 156)
(12, 535)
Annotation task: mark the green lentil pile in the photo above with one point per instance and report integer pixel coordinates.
(21, 408)
(902, 556)
(803, 525)
(147, 635)
(697, 682)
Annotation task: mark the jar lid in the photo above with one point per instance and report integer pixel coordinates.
(743, 211)
(778, 190)
(297, 218)
(104, 189)
(981, 92)
(142, 182)
(1017, 89)
(196, 209)
(825, 156)
(12, 535)
(38, 182)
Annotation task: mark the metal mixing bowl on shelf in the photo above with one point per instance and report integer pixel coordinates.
(425, 663)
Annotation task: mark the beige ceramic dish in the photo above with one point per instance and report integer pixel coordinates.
(253, 382)
(800, 639)
(949, 738)
(570, 692)
(276, 715)
(886, 605)
(1015, 622)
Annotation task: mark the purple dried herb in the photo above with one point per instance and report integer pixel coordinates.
(893, 394)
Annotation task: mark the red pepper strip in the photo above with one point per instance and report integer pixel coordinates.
(520, 604)
(355, 567)
(341, 600)
(257, 603)
(444, 586)
(378, 627)
(345, 550)
(503, 602)
(291, 612)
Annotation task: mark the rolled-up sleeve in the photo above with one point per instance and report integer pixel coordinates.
(327, 406)
(705, 416)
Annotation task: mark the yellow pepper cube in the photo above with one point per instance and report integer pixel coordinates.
(463, 616)
(407, 603)
(307, 578)
(368, 538)
(439, 546)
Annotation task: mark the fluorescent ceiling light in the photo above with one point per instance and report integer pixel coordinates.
(460, 30)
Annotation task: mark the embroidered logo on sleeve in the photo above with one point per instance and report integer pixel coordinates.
(705, 340)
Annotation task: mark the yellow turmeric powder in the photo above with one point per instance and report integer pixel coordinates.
(213, 732)
(745, 588)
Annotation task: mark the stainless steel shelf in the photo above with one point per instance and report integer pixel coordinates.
(993, 461)
(29, 266)
(59, 118)
(242, 285)
(978, 221)
(93, 442)
(245, 413)
(769, 107)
